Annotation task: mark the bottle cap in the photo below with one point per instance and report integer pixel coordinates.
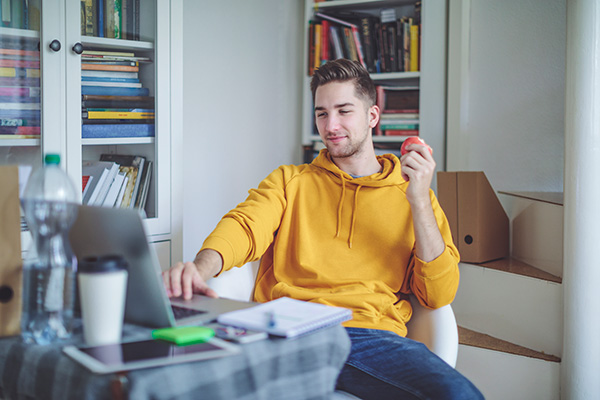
(105, 263)
(52, 159)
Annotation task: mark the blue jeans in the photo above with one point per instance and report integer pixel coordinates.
(384, 365)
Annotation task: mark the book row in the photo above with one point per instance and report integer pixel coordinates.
(117, 180)
(20, 14)
(380, 43)
(19, 93)
(114, 102)
(119, 19)
(399, 106)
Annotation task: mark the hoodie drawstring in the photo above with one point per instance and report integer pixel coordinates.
(341, 207)
(354, 207)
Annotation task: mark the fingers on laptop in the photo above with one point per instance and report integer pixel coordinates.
(201, 287)
(172, 280)
(192, 282)
(184, 278)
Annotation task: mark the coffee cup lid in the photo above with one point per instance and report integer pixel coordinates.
(104, 263)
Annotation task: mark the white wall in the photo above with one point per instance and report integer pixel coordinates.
(242, 80)
(508, 89)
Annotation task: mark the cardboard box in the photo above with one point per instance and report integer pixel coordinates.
(479, 224)
(10, 252)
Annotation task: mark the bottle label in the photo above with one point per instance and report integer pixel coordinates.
(55, 292)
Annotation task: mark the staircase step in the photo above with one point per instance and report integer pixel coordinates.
(500, 375)
(536, 226)
(518, 308)
(469, 337)
(556, 198)
(514, 266)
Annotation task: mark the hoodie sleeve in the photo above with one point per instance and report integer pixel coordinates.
(245, 232)
(435, 283)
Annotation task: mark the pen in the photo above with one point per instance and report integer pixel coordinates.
(272, 319)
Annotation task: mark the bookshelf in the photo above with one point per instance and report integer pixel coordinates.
(430, 78)
(62, 114)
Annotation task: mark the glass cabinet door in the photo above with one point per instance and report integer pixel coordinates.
(90, 80)
(20, 90)
(120, 135)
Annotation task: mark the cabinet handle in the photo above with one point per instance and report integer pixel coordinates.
(55, 45)
(78, 48)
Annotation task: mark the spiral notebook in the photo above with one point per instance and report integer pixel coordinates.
(286, 317)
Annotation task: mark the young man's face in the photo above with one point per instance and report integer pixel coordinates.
(343, 120)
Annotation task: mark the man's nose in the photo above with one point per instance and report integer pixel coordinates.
(333, 124)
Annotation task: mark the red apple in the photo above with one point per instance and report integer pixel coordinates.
(413, 140)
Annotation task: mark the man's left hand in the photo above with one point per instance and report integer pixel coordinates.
(418, 167)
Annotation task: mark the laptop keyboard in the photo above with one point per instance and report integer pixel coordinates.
(181, 312)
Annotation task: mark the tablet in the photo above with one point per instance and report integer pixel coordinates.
(146, 353)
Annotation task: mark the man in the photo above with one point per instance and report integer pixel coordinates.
(352, 230)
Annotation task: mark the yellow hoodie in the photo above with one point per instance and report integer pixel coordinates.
(329, 238)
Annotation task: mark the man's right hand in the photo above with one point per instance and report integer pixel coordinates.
(190, 277)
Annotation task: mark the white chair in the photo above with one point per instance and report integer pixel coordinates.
(436, 329)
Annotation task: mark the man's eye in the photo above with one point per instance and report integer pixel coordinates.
(344, 111)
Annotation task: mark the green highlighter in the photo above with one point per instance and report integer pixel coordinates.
(183, 335)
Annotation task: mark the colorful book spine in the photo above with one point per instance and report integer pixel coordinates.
(31, 82)
(318, 38)
(25, 114)
(107, 79)
(19, 52)
(117, 131)
(19, 106)
(407, 23)
(16, 13)
(324, 41)
(401, 132)
(108, 74)
(100, 20)
(136, 19)
(109, 67)
(358, 46)
(414, 48)
(19, 122)
(115, 104)
(109, 20)
(311, 48)
(19, 99)
(89, 16)
(20, 130)
(119, 115)
(98, 58)
(33, 14)
(13, 137)
(112, 84)
(19, 91)
(117, 19)
(385, 127)
(11, 72)
(107, 53)
(115, 91)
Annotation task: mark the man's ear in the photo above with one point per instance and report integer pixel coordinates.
(373, 116)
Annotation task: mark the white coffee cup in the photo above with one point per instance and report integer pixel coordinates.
(102, 293)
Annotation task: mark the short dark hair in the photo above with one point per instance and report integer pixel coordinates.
(344, 70)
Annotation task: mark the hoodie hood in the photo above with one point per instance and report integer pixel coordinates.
(390, 175)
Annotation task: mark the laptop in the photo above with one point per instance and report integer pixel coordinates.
(104, 230)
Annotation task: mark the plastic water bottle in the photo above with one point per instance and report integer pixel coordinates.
(50, 206)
